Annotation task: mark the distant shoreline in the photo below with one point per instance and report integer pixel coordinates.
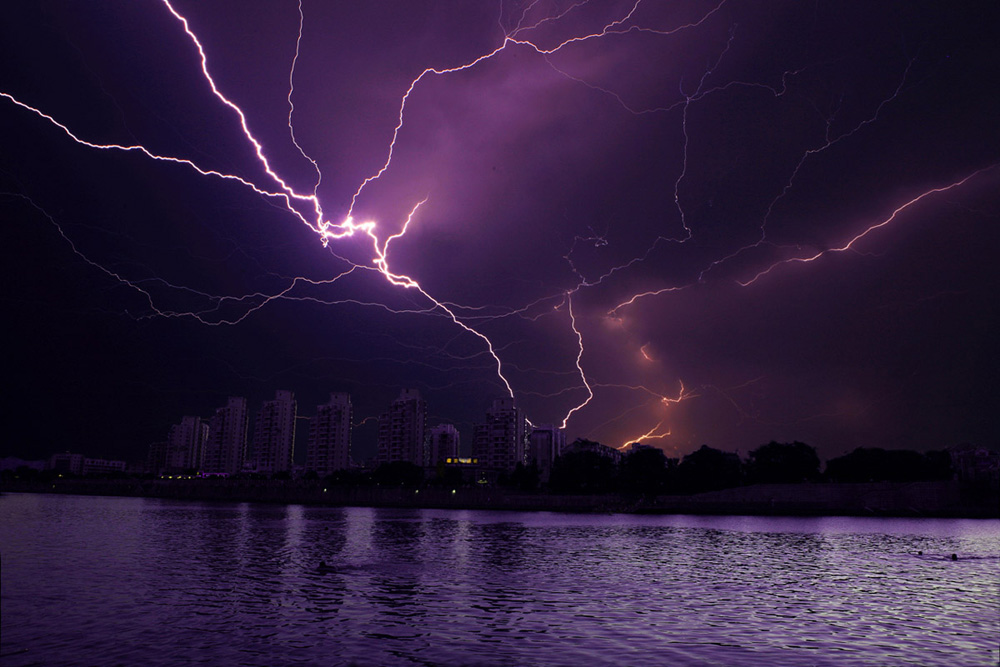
(889, 499)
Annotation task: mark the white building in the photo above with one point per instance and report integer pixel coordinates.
(330, 436)
(401, 430)
(102, 466)
(78, 464)
(186, 444)
(274, 434)
(66, 462)
(226, 448)
(501, 442)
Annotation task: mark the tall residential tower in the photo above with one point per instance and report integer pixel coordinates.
(546, 442)
(186, 445)
(226, 448)
(501, 442)
(330, 436)
(274, 434)
(442, 443)
(401, 430)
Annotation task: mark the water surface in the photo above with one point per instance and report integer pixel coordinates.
(92, 580)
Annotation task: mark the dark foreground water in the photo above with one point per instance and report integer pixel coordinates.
(131, 581)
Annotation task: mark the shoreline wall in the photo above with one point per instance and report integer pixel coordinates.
(913, 499)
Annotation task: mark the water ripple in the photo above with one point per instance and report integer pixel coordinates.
(133, 581)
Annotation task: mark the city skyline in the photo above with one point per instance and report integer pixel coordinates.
(715, 223)
(225, 442)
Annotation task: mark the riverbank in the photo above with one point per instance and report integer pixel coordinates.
(914, 499)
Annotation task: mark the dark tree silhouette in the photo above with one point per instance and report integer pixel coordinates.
(862, 465)
(25, 472)
(350, 477)
(874, 464)
(445, 477)
(524, 477)
(776, 463)
(644, 471)
(708, 469)
(582, 472)
(398, 473)
(937, 465)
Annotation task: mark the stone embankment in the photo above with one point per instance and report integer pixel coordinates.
(931, 499)
(915, 499)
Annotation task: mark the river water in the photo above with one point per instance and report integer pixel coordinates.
(132, 581)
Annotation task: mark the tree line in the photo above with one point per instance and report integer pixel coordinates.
(650, 471)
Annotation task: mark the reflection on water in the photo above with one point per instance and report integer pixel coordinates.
(138, 581)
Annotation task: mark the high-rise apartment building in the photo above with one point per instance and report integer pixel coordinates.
(186, 445)
(226, 448)
(500, 442)
(545, 443)
(156, 460)
(442, 443)
(401, 430)
(330, 436)
(274, 434)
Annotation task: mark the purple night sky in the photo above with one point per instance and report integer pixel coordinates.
(678, 156)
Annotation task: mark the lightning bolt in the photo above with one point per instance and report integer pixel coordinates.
(652, 434)
(525, 35)
(579, 356)
(871, 228)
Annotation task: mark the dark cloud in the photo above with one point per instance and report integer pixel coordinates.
(686, 153)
